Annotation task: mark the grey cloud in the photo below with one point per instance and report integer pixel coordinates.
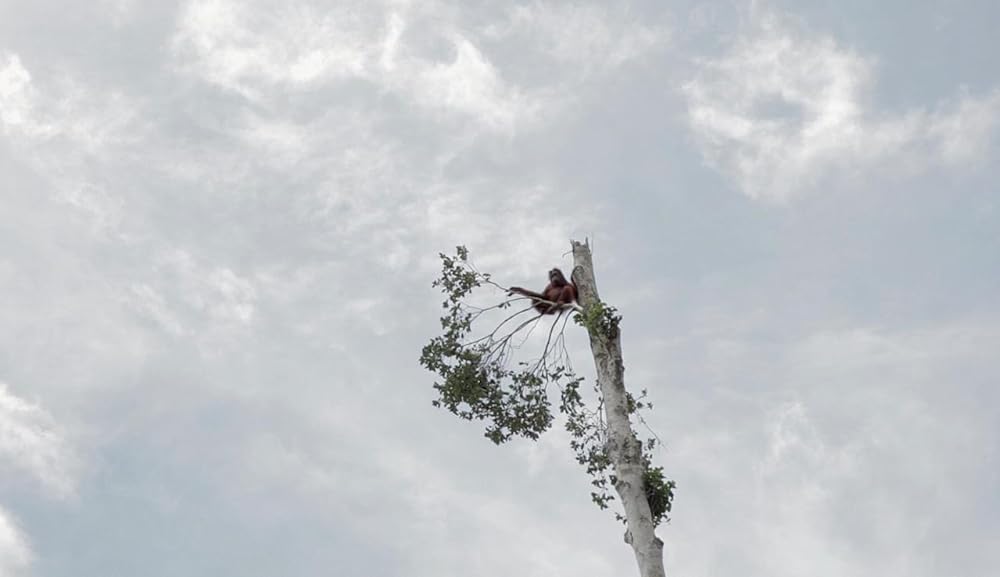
(219, 227)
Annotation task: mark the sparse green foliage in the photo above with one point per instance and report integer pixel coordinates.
(599, 318)
(477, 383)
(659, 492)
(588, 441)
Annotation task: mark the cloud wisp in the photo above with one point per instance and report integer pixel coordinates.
(33, 444)
(15, 552)
(781, 111)
(35, 448)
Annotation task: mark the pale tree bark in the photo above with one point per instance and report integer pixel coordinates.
(624, 448)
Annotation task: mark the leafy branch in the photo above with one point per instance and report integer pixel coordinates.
(479, 379)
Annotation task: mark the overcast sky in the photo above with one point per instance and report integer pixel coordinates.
(220, 222)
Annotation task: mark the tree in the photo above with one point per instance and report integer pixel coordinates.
(480, 379)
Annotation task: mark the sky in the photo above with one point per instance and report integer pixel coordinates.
(219, 223)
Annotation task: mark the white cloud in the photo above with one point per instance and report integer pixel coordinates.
(783, 110)
(470, 84)
(797, 481)
(434, 508)
(15, 552)
(422, 54)
(119, 11)
(254, 50)
(102, 210)
(214, 299)
(149, 302)
(390, 46)
(17, 98)
(248, 48)
(967, 127)
(64, 130)
(31, 442)
(874, 421)
(584, 37)
(87, 119)
(531, 236)
(216, 290)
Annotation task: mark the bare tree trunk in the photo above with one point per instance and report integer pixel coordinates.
(624, 448)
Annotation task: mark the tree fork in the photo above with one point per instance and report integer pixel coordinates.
(624, 448)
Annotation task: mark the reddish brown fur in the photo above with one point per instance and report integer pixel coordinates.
(559, 293)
